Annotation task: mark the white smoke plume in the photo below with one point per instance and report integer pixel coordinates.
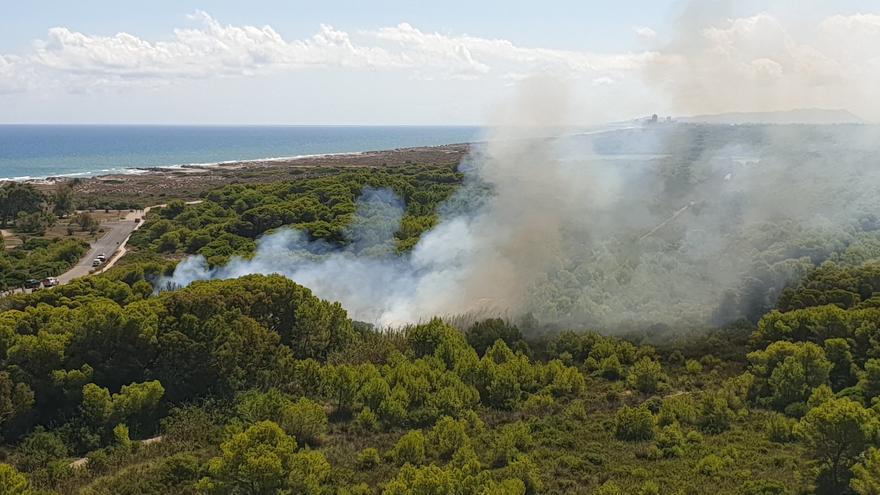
(666, 223)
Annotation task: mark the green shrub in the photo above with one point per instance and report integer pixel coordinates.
(715, 414)
(525, 470)
(506, 487)
(305, 420)
(646, 375)
(694, 437)
(447, 436)
(608, 488)
(38, 449)
(762, 487)
(511, 440)
(649, 488)
(12, 482)
(611, 368)
(309, 472)
(669, 440)
(576, 410)
(539, 404)
(366, 421)
(368, 459)
(780, 428)
(634, 424)
(650, 453)
(482, 334)
(677, 409)
(653, 404)
(428, 480)
(410, 448)
(711, 465)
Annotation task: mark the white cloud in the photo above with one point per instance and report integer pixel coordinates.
(13, 75)
(645, 33)
(213, 49)
(754, 62)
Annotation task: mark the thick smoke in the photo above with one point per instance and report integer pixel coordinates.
(667, 223)
(675, 224)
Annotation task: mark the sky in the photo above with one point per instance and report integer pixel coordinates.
(413, 62)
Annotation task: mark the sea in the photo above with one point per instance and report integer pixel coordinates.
(41, 151)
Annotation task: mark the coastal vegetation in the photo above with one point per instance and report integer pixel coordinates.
(26, 252)
(231, 218)
(254, 385)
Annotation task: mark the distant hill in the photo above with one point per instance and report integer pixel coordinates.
(798, 116)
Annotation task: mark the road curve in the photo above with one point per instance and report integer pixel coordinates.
(112, 244)
(117, 234)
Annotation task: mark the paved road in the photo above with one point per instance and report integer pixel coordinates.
(112, 244)
(117, 233)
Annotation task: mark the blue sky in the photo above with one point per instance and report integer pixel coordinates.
(411, 61)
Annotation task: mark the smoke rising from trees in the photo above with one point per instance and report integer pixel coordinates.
(679, 224)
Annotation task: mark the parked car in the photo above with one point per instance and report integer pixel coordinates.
(50, 282)
(96, 262)
(102, 257)
(32, 283)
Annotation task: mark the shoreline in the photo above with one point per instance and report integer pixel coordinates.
(229, 164)
(154, 185)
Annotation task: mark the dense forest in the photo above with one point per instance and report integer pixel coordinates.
(230, 218)
(256, 386)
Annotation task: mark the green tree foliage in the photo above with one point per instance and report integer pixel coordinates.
(786, 373)
(38, 258)
(342, 383)
(245, 371)
(16, 399)
(309, 471)
(135, 403)
(512, 440)
(634, 423)
(16, 198)
(12, 482)
(835, 433)
(428, 480)
(715, 414)
(257, 460)
(305, 420)
(833, 284)
(63, 203)
(844, 372)
(447, 436)
(866, 474)
(368, 459)
(410, 448)
(646, 375)
(482, 334)
(229, 218)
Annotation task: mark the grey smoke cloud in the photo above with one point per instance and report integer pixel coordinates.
(669, 223)
(674, 224)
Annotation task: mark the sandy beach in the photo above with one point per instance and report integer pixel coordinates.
(153, 185)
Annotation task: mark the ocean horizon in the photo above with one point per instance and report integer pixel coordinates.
(41, 151)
